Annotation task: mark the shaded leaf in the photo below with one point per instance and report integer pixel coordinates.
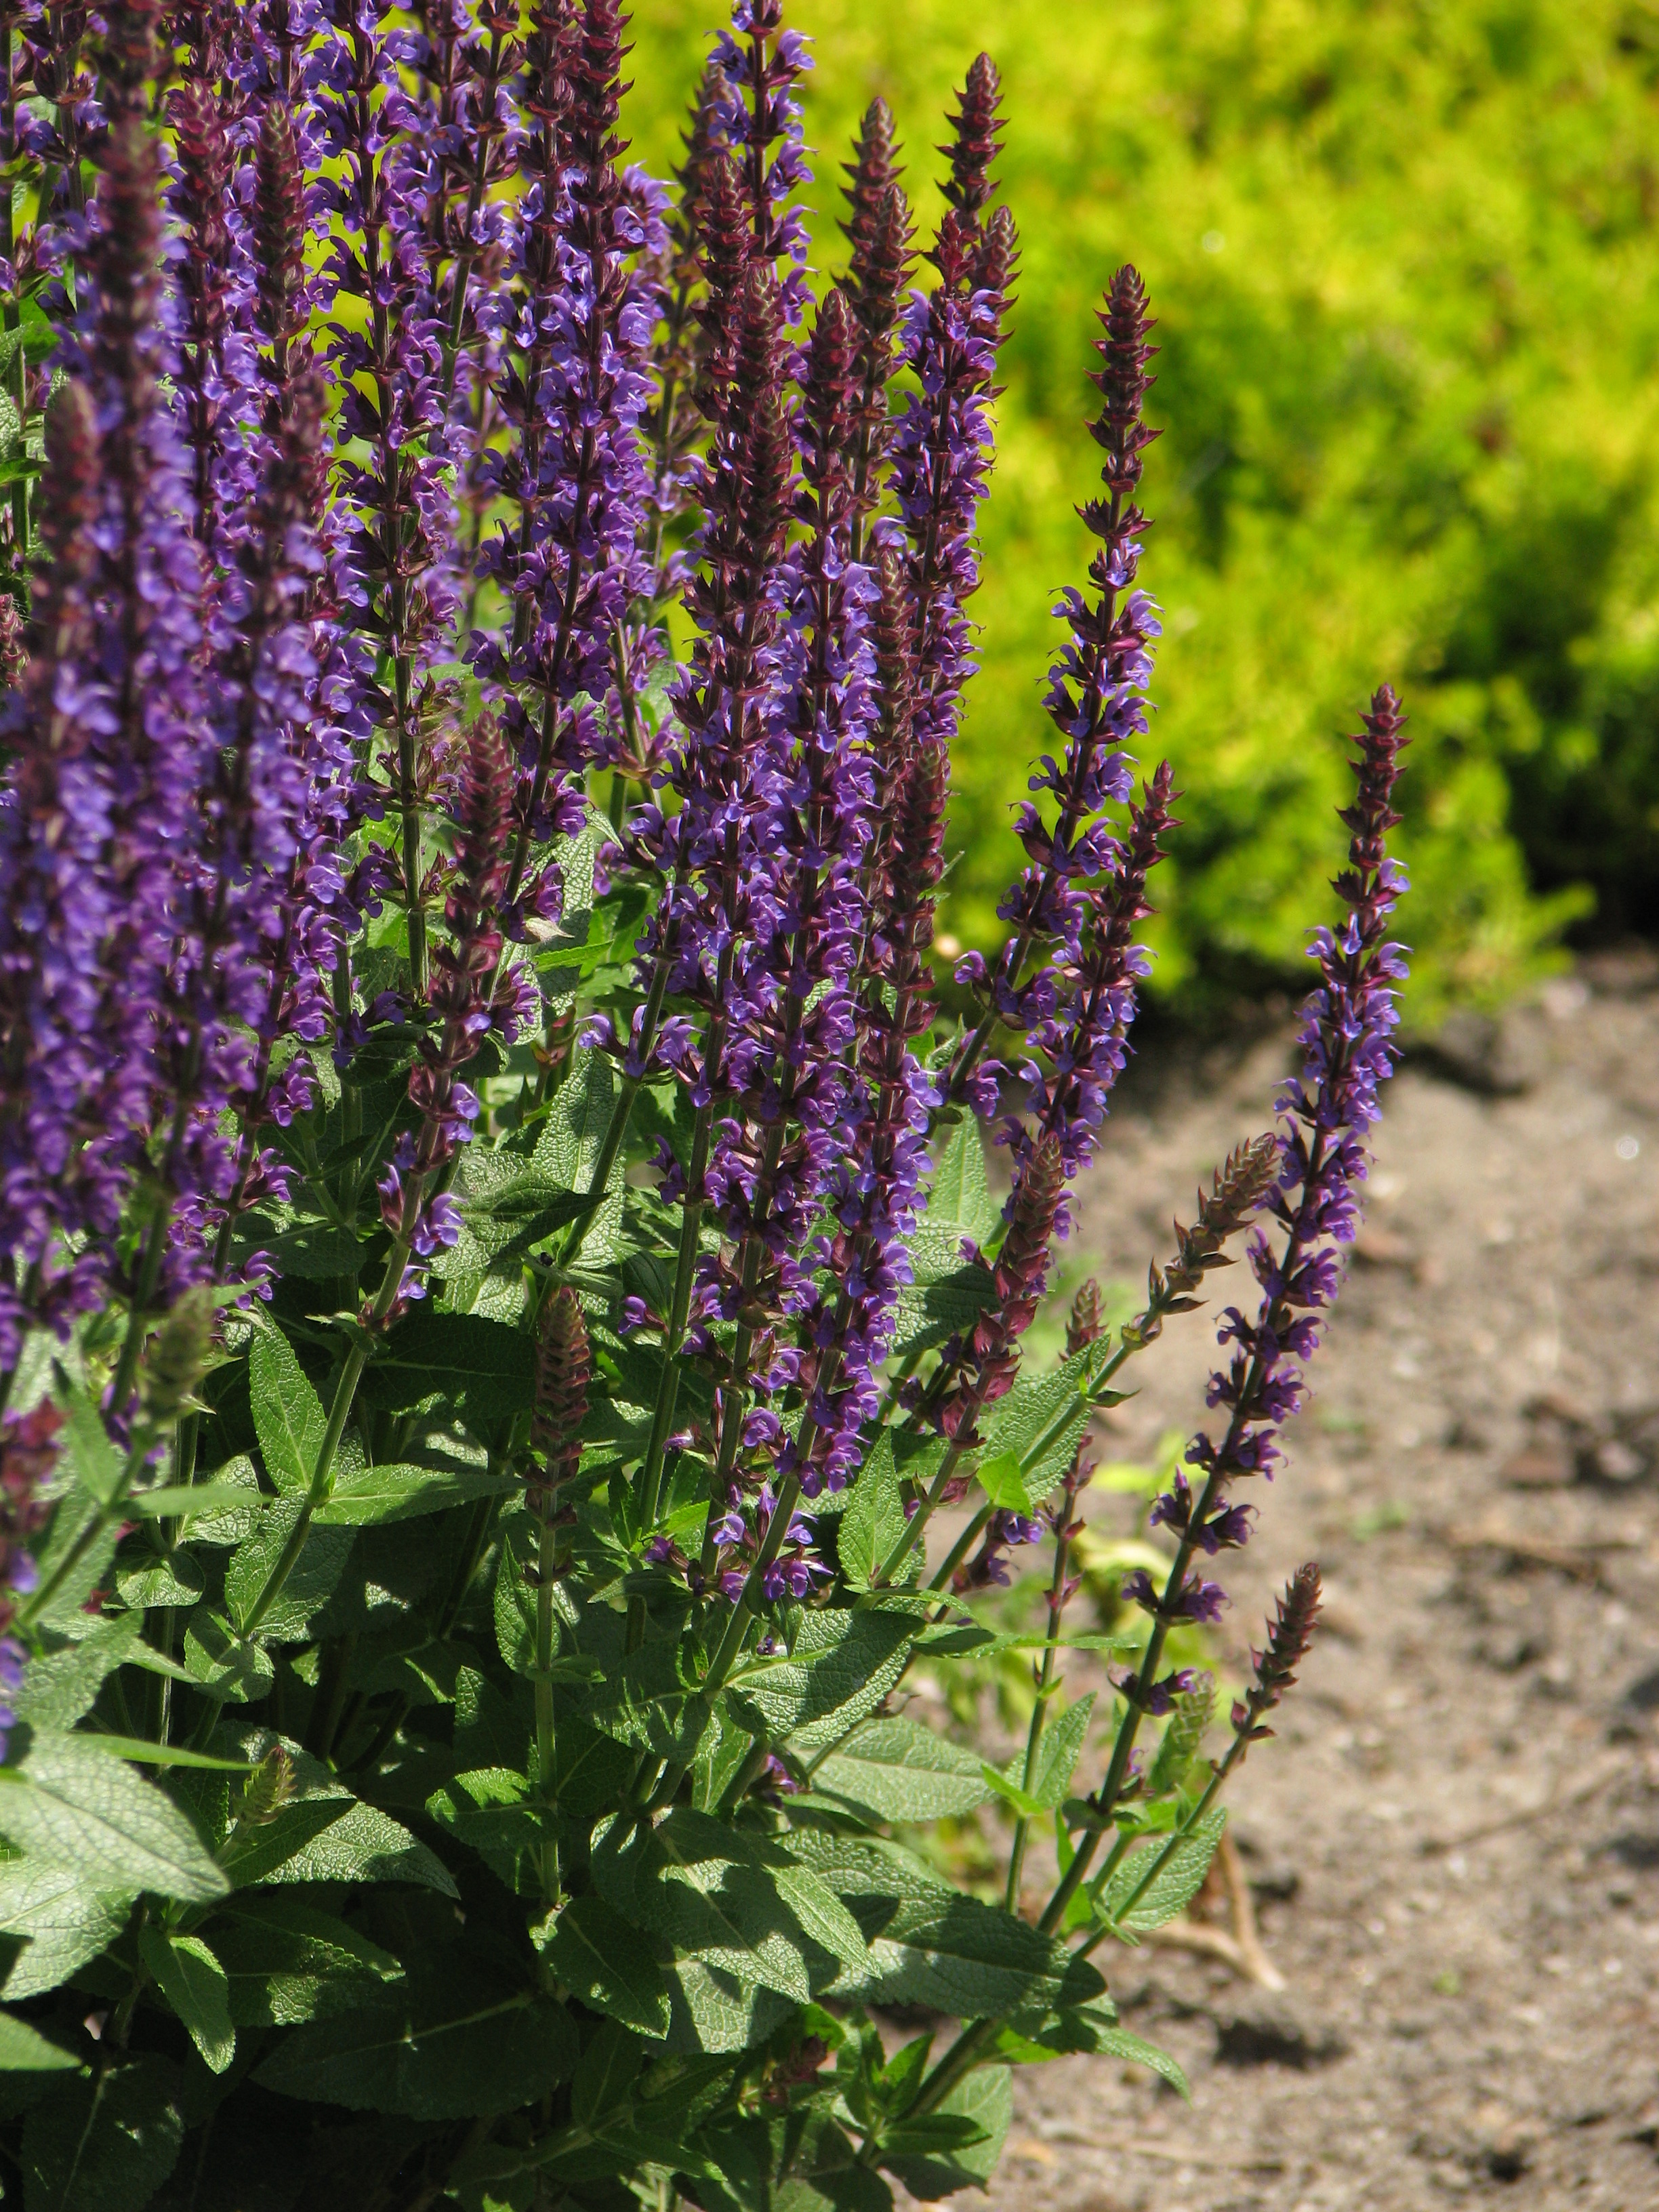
(451, 2046)
(24, 2049)
(104, 2140)
(370, 1494)
(873, 1521)
(69, 1802)
(607, 1965)
(285, 1961)
(193, 1983)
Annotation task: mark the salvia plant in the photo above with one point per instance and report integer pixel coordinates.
(500, 1288)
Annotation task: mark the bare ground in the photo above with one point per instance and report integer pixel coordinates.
(1455, 1841)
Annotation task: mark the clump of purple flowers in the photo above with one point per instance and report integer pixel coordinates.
(483, 663)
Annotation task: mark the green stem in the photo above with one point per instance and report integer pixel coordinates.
(544, 1580)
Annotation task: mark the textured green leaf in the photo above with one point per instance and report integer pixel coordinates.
(484, 1369)
(458, 2043)
(1000, 1478)
(308, 1587)
(233, 1504)
(24, 2049)
(929, 1313)
(371, 1494)
(286, 1961)
(60, 1686)
(1175, 1886)
(842, 1666)
(230, 1665)
(895, 1769)
(67, 1802)
(986, 2102)
(1057, 1756)
(76, 1518)
(873, 1521)
(288, 1414)
(306, 1246)
(1039, 1423)
(731, 1904)
(146, 1578)
(1118, 2043)
(490, 1812)
(324, 1833)
(568, 1150)
(65, 1917)
(604, 2076)
(959, 1206)
(93, 1460)
(209, 1502)
(607, 1965)
(929, 1945)
(103, 2140)
(193, 1983)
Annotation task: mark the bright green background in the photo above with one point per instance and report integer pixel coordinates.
(1403, 260)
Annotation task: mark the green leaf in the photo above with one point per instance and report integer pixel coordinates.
(366, 1495)
(959, 1206)
(1057, 1755)
(1000, 1478)
(193, 1983)
(65, 1917)
(228, 1665)
(456, 2044)
(104, 2140)
(1039, 1423)
(316, 1572)
(929, 1945)
(1176, 1886)
(312, 1248)
(96, 1465)
(172, 1579)
(57, 1688)
(1118, 2043)
(604, 2076)
(323, 1833)
(895, 1769)
(212, 1504)
(929, 1313)
(237, 1505)
(68, 1801)
(288, 1414)
(603, 1962)
(730, 1901)
(490, 1812)
(873, 1521)
(286, 1961)
(482, 1368)
(24, 2049)
(1028, 1808)
(159, 1754)
(985, 2101)
(842, 1666)
(568, 1150)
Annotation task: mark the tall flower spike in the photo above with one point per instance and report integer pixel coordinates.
(760, 64)
(1346, 1036)
(942, 439)
(563, 1365)
(1096, 701)
(462, 1000)
(1290, 1632)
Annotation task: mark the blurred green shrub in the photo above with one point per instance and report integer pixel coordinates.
(1403, 257)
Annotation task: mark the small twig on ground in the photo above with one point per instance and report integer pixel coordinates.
(1558, 1800)
(1172, 2153)
(1582, 1561)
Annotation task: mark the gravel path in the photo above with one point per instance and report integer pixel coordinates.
(1455, 1842)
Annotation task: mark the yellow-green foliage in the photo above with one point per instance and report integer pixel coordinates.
(1402, 256)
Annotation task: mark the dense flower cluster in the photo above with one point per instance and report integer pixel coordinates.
(483, 661)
